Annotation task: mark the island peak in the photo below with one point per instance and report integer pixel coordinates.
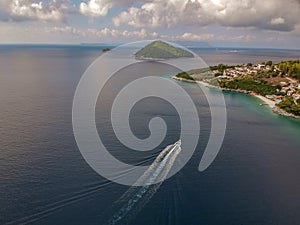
(159, 50)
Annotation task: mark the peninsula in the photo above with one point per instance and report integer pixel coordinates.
(278, 85)
(159, 50)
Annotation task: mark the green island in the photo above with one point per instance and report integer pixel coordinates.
(278, 85)
(106, 50)
(158, 50)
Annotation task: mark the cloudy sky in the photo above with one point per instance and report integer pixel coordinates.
(236, 23)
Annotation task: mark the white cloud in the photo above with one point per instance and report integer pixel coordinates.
(269, 14)
(95, 8)
(277, 21)
(54, 11)
(17, 33)
(154, 14)
(104, 34)
(129, 35)
(189, 37)
(98, 8)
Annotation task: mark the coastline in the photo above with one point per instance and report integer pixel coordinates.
(183, 79)
(271, 104)
(268, 102)
(275, 108)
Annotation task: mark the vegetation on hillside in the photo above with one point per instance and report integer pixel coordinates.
(250, 84)
(161, 50)
(184, 75)
(221, 67)
(290, 105)
(291, 68)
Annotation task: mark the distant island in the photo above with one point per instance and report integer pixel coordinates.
(159, 50)
(278, 85)
(106, 50)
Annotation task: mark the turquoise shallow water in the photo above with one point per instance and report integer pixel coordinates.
(44, 179)
(289, 125)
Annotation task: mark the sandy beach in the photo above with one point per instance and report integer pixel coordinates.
(270, 103)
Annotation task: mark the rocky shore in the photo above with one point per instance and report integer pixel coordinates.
(282, 112)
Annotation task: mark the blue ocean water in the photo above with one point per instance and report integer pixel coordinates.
(45, 180)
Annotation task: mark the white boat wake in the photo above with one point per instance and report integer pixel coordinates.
(136, 197)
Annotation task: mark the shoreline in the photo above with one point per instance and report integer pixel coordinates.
(183, 79)
(272, 105)
(268, 102)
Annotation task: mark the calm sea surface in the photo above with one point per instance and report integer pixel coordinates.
(44, 179)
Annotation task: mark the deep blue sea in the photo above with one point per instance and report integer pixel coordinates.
(45, 180)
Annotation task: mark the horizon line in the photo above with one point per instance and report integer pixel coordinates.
(96, 44)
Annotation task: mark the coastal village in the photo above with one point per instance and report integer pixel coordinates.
(278, 85)
(286, 85)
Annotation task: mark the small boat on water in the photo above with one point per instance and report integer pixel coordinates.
(138, 195)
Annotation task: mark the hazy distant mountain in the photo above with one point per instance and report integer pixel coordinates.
(161, 50)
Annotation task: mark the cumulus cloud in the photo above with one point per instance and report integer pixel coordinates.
(189, 37)
(111, 34)
(152, 14)
(105, 33)
(269, 14)
(54, 11)
(95, 8)
(98, 8)
(277, 21)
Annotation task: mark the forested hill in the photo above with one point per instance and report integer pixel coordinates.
(161, 50)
